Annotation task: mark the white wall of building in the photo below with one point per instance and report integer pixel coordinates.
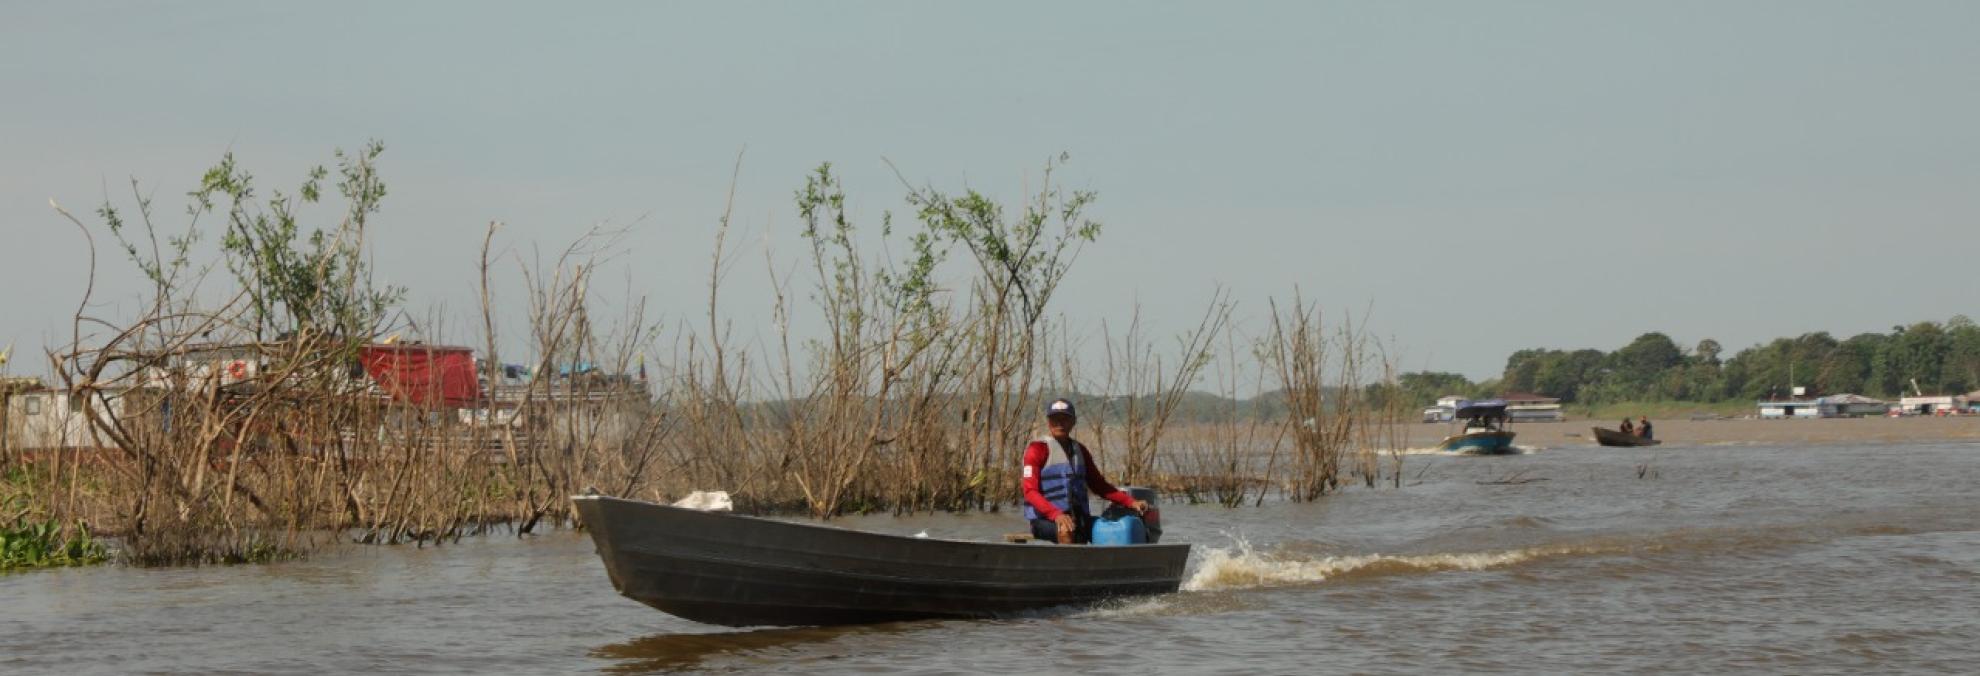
(51, 419)
(1800, 409)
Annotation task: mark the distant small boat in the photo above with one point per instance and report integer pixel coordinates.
(1609, 437)
(1484, 429)
(743, 571)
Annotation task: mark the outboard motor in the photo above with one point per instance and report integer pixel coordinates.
(1120, 526)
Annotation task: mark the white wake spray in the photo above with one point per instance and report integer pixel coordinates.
(1241, 567)
(1433, 450)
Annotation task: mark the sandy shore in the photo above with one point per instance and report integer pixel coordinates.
(1738, 431)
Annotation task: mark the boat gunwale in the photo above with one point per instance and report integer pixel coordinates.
(863, 533)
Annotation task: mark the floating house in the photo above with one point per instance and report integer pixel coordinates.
(1938, 404)
(1850, 406)
(1799, 407)
(1520, 407)
(1444, 411)
(1528, 407)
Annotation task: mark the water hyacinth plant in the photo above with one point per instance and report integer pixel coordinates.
(46, 544)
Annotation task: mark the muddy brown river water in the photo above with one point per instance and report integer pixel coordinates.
(1819, 559)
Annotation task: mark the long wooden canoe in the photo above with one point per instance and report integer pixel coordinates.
(726, 569)
(1609, 437)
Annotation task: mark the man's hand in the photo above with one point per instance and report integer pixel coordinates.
(1141, 507)
(1066, 527)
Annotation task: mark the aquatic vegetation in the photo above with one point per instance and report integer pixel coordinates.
(192, 545)
(47, 544)
(29, 541)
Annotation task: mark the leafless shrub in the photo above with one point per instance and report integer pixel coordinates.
(1228, 458)
(1329, 415)
(1145, 395)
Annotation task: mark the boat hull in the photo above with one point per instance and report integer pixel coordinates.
(1478, 442)
(1609, 437)
(743, 571)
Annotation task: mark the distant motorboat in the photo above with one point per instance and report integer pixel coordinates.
(1609, 437)
(1484, 430)
(1478, 441)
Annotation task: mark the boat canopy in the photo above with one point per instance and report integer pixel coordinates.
(1484, 408)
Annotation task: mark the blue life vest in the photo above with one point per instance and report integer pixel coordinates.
(1063, 483)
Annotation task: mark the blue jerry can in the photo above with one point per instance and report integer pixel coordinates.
(1126, 530)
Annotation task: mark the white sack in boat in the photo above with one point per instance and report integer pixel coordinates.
(706, 501)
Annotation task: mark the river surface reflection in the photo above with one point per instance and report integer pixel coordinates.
(1806, 559)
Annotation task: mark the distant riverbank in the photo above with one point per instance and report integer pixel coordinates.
(1741, 431)
(1661, 410)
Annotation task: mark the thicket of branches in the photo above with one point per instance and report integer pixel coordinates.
(918, 393)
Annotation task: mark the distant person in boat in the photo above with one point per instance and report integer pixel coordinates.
(1644, 428)
(1628, 428)
(1058, 475)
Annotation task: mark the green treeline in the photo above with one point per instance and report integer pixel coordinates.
(1943, 358)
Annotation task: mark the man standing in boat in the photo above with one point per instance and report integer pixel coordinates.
(1058, 475)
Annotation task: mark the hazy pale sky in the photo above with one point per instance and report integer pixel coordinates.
(1487, 176)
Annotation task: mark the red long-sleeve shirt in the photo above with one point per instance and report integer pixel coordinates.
(1039, 454)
